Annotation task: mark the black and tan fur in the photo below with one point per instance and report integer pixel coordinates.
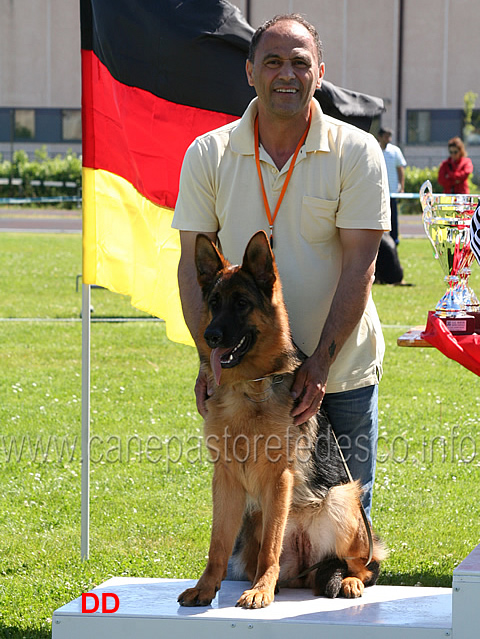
(281, 497)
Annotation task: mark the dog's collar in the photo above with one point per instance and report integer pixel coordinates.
(264, 395)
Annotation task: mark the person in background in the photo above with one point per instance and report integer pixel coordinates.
(454, 172)
(396, 164)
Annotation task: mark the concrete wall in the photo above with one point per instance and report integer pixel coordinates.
(40, 53)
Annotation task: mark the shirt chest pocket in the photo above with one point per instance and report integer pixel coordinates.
(318, 220)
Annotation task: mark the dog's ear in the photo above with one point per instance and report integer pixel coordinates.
(208, 260)
(258, 260)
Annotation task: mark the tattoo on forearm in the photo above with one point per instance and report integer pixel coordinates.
(331, 349)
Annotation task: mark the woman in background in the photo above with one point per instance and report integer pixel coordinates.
(454, 172)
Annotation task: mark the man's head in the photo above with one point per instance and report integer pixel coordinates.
(385, 137)
(285, 65)
(292, 17)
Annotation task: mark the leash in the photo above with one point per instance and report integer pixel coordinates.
(362, 509)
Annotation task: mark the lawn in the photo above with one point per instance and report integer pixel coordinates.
(150, 476)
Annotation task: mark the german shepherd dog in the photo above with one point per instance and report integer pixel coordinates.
(282, 500)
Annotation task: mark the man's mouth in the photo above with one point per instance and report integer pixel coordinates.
(286, 90)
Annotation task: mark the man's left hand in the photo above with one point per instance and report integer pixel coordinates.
(309, 386)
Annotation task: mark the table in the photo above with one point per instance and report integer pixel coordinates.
(413, 338)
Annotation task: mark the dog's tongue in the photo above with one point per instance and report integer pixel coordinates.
(216, 364)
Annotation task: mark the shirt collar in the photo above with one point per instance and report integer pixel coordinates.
(242, 137)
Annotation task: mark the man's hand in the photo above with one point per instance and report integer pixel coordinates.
(309, 385)
(202, 393)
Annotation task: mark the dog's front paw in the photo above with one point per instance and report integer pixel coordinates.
(352, 587)
(196, 597)
(256, 598)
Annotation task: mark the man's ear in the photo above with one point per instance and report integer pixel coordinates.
(249, 71)
(208, 260)
(258, 260)
(321, 74)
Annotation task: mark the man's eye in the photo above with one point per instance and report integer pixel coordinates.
(271, 64)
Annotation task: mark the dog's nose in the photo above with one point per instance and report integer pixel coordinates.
(213, 337)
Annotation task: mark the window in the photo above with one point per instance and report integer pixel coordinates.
(433, 126)
(42, 125)
(71, 124)
(24, 124)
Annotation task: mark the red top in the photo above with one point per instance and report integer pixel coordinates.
(453, 175)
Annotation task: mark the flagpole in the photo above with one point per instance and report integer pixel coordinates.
(85, 483)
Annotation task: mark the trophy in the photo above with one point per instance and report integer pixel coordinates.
(447, 220)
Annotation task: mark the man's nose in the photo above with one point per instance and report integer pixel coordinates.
(286, 70)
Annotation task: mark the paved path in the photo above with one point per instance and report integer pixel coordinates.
(411, 226)
(40, 220)
(59, 221)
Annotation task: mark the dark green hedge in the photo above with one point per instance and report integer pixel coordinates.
(23, 175)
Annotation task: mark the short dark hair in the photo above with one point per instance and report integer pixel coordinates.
(288, 17)
(383, 131)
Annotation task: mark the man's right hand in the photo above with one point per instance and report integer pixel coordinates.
(202, 393)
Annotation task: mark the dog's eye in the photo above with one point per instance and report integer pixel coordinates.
(214, 303)
(242, 303)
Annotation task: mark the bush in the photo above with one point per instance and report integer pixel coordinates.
(414, 178)
(67, 168)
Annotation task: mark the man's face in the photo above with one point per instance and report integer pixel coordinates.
(286, 70)
(385, 139)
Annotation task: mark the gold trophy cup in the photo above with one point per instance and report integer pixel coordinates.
(447, 220)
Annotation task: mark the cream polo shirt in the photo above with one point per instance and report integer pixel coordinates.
(339, 181)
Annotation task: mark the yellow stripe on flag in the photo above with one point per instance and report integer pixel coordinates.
(130, 248)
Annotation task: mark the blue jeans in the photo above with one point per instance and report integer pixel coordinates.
(354, 418)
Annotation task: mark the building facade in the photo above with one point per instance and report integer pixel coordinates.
(39, 75)
(420, 56)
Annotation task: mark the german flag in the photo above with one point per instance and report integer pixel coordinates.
(155, 75)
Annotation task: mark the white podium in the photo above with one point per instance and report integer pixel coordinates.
(148, 609)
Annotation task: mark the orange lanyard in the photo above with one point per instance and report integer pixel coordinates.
(271, 219)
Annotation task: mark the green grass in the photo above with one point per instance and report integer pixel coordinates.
(150, 479)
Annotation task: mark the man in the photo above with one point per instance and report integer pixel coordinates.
(396, 164)
(325, 236)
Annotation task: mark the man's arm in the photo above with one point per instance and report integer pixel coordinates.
(190, 293)
(191, 298)
(401, 178)
(360, 249)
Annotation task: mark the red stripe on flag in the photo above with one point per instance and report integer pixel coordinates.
(137, 135)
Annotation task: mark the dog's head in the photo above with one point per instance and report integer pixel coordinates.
(245, 319)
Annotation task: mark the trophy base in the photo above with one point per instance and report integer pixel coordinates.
(459, 324)
(476, 315)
